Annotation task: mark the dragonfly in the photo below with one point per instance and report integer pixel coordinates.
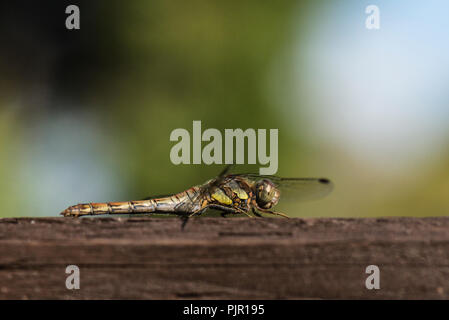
(249, 194)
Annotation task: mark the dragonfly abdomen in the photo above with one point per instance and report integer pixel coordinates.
(139, 206)
(178, 203)
(110, 208)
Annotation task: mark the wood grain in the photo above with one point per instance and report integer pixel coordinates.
(224, 258)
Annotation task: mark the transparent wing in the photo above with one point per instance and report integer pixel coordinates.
(201, 192)
(296, 189)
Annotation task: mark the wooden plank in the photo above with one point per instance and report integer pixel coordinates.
(224, 258)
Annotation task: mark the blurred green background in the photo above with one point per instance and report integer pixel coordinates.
(86, 115)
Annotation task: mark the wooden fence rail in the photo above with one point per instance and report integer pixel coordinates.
(224, 258)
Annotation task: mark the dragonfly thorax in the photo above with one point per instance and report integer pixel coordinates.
(267, 195)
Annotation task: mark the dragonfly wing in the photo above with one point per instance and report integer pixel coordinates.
(303, 189)
(297, 189)
(226, 170)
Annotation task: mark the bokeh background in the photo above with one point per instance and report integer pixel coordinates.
(86, 115)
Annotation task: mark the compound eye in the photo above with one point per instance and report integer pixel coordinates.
(265, 194)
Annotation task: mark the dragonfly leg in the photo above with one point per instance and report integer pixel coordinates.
(199, 211)
(184, 220)
(245, 212)
(256, 207)
(274, 213)
(277, 213)
(229, 210)
(257, 214)
(224, 213)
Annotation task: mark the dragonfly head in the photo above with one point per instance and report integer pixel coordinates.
(267, 195)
